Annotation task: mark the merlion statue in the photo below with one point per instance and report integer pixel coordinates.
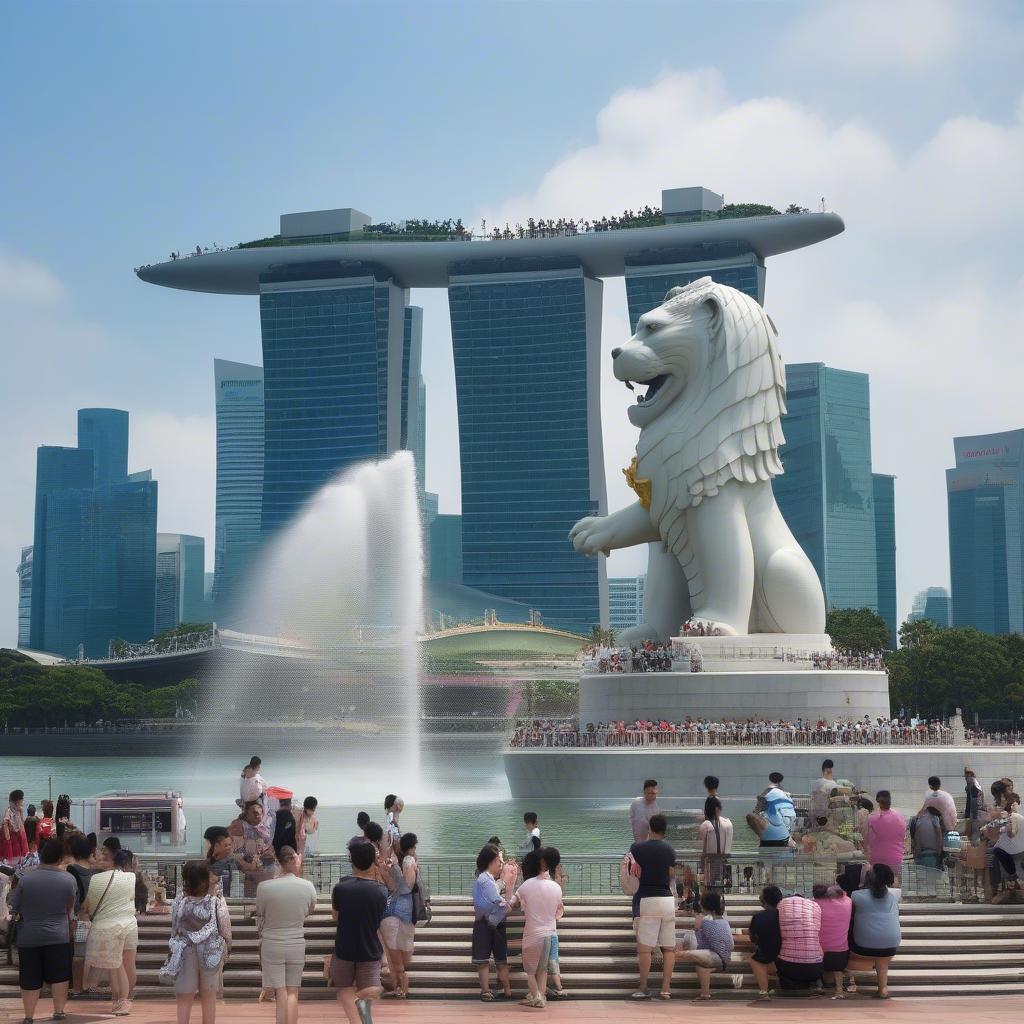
(710, 428)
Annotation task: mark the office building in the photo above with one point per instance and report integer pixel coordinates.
(180, 580)
(827, 493)
(985, 494)
(526, 344)
(105, 432)
(25, 597)
(625, 602)
(884, 492)
(446, 549)
(239, 402)
(94, 549)
(932, 604)
(526, 334)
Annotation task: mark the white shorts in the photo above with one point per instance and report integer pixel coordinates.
(656, 925)
(397, 934)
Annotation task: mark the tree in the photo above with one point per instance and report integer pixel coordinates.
(859, 630)
(602, 636)
(916, 634)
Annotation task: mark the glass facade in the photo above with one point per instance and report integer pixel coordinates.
(414, 394)
(180, 580)
(239, 400)
(933, 604)
(885, 550)
(648, 278)
(986, 541)
(625, 602)
(332, 359)
(94, 552)
(446, 549)
(826, 493)
(25, 597)
(105, 432)
(526, 346)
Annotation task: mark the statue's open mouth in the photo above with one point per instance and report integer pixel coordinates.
(653, 387)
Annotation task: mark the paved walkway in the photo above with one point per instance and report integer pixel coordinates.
(981, 1009)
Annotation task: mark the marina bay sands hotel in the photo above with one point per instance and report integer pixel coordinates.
(526, 334)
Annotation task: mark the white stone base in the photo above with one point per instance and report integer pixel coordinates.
(788, 694)
(613, 773)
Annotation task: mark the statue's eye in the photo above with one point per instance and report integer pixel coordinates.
(652, 327)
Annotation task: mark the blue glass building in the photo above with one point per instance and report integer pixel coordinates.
(827, 492)
(25, 597)
(446, 549)
(525, 337)
(933, 604)
(332, 365)
(626, 602)
(105, 432)
(180, 580)
(239, 401)
(985, 495)
(414, 394)
(94, 550)
(884, 488)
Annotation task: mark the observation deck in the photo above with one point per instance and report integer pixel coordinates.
(426, 262)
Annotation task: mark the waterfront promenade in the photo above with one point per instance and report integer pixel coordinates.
(856, 1010)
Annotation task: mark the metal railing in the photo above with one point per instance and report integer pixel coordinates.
(736, 873)
(721, 735)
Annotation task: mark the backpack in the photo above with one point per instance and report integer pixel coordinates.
(284, 830)
(629, 875)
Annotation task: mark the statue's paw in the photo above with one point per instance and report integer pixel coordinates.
(712, 626)
(591, 536)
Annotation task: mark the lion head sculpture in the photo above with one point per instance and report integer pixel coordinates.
(716, 392)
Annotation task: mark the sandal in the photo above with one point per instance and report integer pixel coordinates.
(487, 997)
(701, 999)
(665, 995)
(640, 994)
(764, 996)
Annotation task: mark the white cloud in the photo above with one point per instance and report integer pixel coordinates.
(181, 451)
(922, 291)
(861, 36)
(24, 281)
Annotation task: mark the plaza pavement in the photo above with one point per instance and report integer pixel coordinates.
(855, 1010)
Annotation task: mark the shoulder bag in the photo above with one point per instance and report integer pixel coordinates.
(82, 928)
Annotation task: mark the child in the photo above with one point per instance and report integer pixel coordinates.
(13, 844)
(309, 828)
(551, 862)
(532, 841)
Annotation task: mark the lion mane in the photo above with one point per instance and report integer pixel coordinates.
(726, 426)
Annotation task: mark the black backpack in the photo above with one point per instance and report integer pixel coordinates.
(284, 830)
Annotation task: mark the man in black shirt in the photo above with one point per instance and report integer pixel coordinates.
(656, 925)
(358, 903)
(765, 934)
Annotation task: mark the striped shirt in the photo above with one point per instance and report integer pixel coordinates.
(800, 924)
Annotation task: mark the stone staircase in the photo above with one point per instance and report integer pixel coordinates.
(948, 949)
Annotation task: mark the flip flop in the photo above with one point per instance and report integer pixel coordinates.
(486, 997)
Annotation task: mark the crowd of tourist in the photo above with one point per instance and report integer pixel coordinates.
(75, 903)
(752, 732)
(848, 659)
(646, 657)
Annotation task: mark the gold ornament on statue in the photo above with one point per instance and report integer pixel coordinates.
(638, 484)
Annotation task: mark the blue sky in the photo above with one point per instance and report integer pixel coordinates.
(133, 128)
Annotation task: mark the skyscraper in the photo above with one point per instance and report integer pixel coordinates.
(526, 336)
(446, 549)
(884, 489)
(932, 604)
(414, 394)
(985, 495)
(239, 397)
(332, 365)
(827, 492)
(105, 432)
(94, 550)
(625, 601)
(180, 576)
(25, 597)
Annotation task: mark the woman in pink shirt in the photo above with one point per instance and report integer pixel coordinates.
(886, 834)
(834, 934)
(541, 900)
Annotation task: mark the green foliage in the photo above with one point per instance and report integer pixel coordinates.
(36, 695)
(602, 636)
(550, 698)
(939, 670)
(746, 210)
(163, 640)
(860, 630)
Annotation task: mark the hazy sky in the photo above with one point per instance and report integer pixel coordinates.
(130, 129)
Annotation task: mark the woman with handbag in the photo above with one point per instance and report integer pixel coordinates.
(490, 909)
(398, 929)
(282, 906)
(114, 932)
(81, 870)
(200, 942)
